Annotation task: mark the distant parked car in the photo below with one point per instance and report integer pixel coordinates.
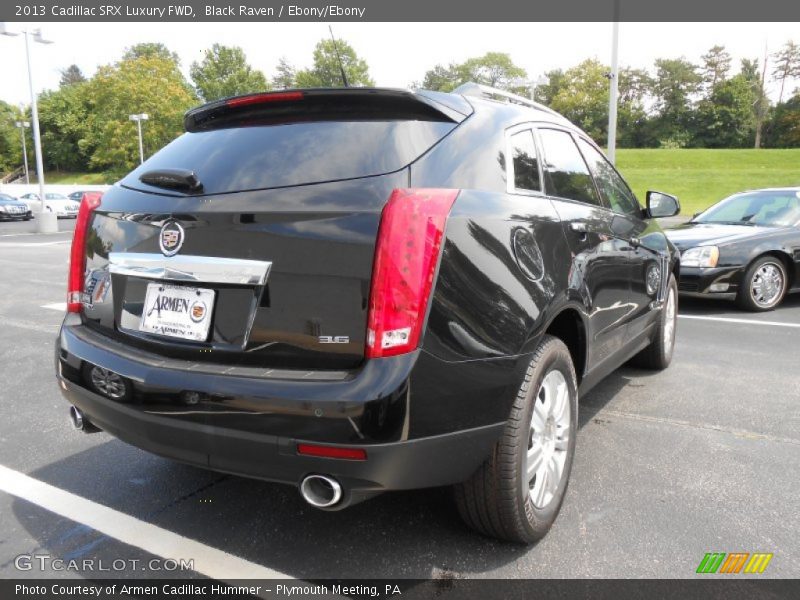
(77, 196)
(745, 247)
(14, 210)
(56, 203)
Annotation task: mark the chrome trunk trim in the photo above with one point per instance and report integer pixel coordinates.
(198, 269)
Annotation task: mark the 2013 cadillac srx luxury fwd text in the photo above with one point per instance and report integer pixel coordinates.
(355, 291)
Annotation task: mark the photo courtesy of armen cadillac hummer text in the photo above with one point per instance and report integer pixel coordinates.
(360, 290)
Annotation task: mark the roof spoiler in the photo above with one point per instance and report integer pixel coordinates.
(324, 104)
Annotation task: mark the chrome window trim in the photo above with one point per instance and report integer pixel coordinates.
(199, 269)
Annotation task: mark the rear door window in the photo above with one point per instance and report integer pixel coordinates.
(525, 163)
(269, 156)
(565, 172)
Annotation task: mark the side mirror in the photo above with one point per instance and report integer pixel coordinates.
(660, 205)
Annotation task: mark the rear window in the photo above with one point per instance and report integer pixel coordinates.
(259, 157)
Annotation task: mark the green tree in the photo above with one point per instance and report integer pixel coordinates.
(675, 84)
(440, 79)
(787, 65)
(63, 116)
(10, 144)
(716, 64)
(147, 83)
(495, 69)
(224, 72)
(71, 75)
(784, 127)
(150, 50)
(326, 72)
(726, 118)
(555, 81)
(285, 75)
(583, 97)
(633, 122)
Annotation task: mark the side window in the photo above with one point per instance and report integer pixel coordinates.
(612, 187)
(526, 163)
(565, 172)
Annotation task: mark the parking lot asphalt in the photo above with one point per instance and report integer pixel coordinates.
(702, 457)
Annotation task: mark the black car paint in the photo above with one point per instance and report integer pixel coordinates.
(739, 246)
(512, 268)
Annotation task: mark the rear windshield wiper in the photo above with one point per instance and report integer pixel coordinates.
(173, 179)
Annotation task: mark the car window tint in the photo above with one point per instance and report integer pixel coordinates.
(526, 163)
(566, 173)
(257, 157)
(612, 187)
(772, 207)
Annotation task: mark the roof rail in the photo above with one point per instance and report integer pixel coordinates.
(484, 91)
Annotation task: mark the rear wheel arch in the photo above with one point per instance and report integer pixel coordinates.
(568, 326)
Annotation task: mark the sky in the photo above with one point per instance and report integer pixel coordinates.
(397, 53)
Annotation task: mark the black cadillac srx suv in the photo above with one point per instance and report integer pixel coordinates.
(361, 290)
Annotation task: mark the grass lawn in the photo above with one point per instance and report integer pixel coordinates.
(702, 177)
(64, 178)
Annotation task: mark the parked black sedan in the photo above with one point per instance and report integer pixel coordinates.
(13, 210)
(746, 247)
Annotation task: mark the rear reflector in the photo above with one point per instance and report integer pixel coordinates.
(407, 253)
(332, 452)
(77, 255)
(264, 98)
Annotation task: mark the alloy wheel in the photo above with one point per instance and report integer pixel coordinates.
(548, 440)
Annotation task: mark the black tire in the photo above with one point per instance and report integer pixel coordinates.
(496, 500)
(658, 355)
(746, 299)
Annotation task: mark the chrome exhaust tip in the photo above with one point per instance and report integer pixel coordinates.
(80, 422)
(76, 418)
(321, 491)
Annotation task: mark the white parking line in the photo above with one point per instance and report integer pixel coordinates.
(59, 306)
(735, 320)
(34, 233)
(33, 244)
(208, 561)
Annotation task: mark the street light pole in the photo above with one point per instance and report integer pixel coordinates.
(139, 118)
(37, 141)
(22, 125)
(614, 88)
(37, 136)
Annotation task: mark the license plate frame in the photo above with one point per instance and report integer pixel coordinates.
(177, 311)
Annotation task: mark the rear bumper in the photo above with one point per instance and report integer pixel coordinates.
(251, 426)
(719, 282)
(425, 462)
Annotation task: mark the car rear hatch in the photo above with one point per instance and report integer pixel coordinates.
(250, 239)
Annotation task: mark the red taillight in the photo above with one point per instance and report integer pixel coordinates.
(77, 255)
(263, 98)
(407, 252)
(332, 452)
